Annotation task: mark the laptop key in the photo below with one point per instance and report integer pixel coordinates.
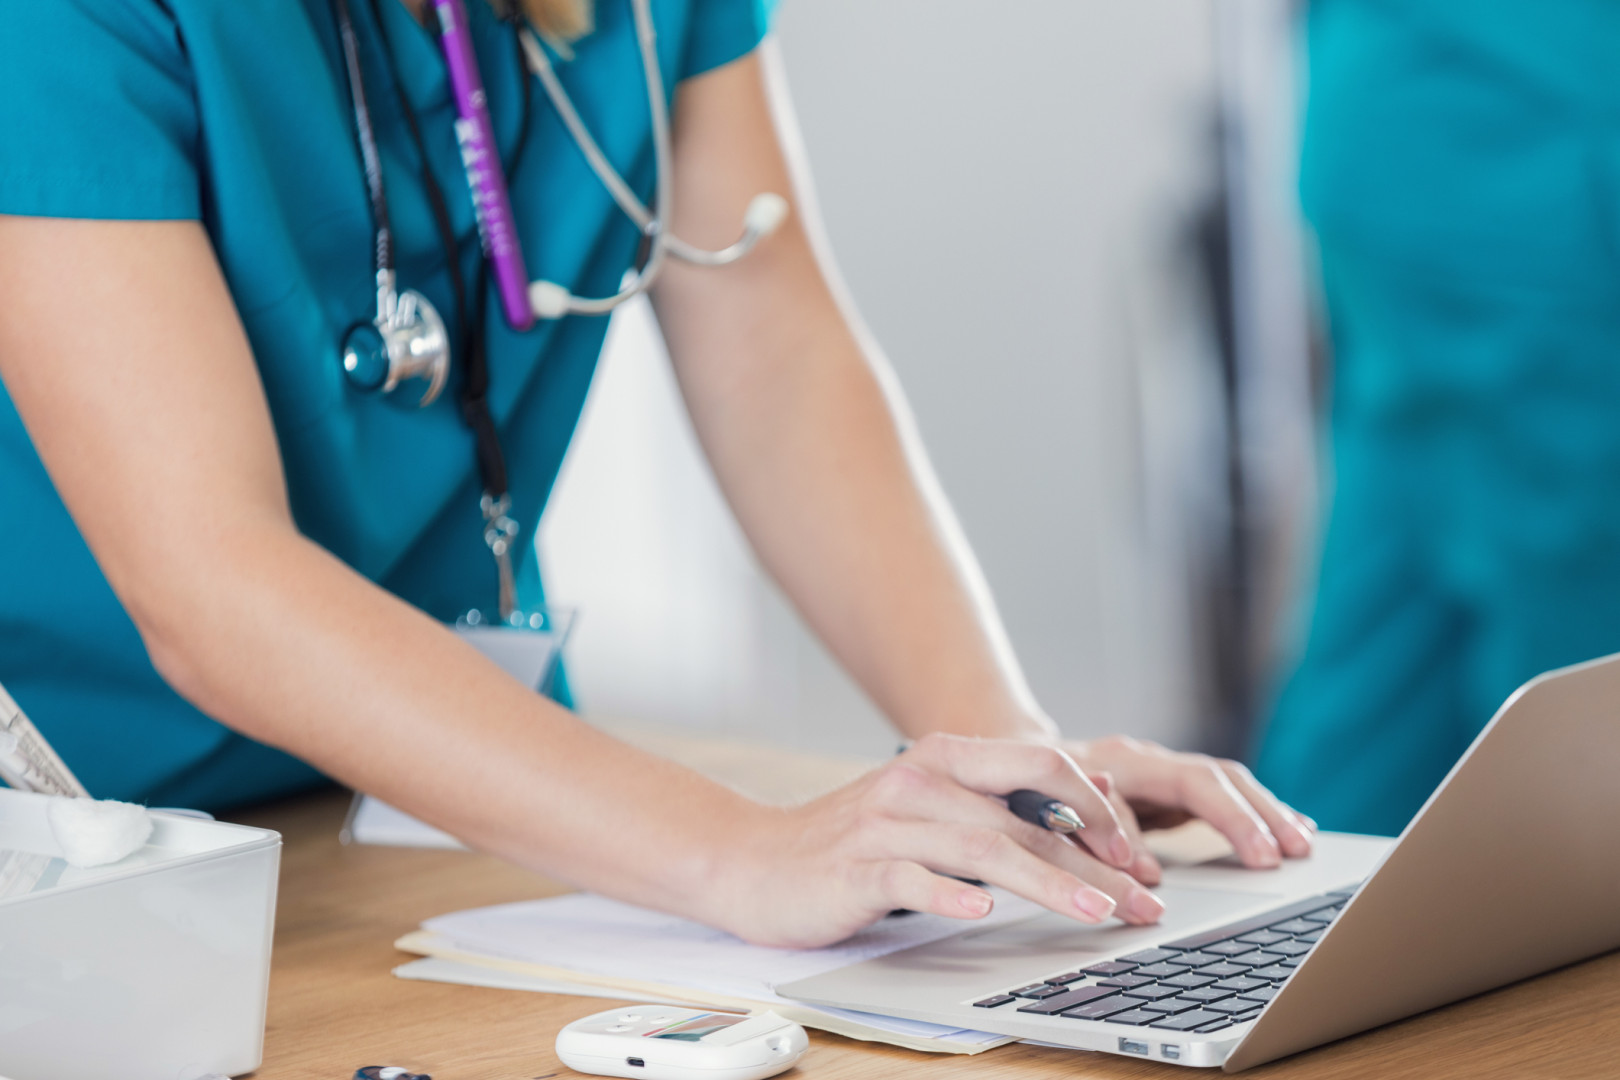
(1067, 1000)
(1110, 967)
(1223, 1022)
(1290, 948)
(1171, 1006)
(994, 1002)
(1261, 996)
(1151, 992)
(1036, 990)
(1190, 981)
(1127, 981)
(1311, 938)
(1233, 1006)
(1206, 993)
(1276, 973)
(1291, 962)
(1227, 948)
(1136, 1018)
(1263, 937)
(1151, 956)
(1159, 971)
(1198, 959)
(1066, 978)
(1224, 970)
(1294, 926)
(1101, 1008)
(1242, 984)
(1187, 1021)
(1257, 958)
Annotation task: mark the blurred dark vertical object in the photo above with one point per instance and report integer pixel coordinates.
(1249, 253)
(1225, 605)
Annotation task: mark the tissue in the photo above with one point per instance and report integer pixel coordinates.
(95, 832)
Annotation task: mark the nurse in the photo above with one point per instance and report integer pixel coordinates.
(230, 562)
(1462, 171)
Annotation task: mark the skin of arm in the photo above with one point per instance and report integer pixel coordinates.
(153, 425)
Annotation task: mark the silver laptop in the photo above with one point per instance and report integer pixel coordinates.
(1511, 869)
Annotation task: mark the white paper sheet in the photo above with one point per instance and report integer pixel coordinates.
(590, 934)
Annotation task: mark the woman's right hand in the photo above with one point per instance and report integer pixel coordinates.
(901, 836)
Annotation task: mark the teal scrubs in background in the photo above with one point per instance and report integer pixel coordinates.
(237, 113)
(1462, 172)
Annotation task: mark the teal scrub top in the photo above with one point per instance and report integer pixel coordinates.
(237, 114)
(1461, 169)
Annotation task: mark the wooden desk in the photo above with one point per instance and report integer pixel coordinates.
(334, 1006)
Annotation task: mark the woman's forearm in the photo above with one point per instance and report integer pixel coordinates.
(304, 654)
(812, 441)
(824, 470)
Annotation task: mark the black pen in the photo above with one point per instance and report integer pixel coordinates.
(1053, 815)
(1045, 811)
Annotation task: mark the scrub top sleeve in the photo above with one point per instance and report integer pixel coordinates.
(98, 118)
(722, 31)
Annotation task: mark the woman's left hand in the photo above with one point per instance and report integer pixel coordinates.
(1152, 787)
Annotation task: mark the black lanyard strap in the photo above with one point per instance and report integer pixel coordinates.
(370, 160)
(500, 530)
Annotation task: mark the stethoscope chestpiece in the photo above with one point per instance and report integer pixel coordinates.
(407, 340)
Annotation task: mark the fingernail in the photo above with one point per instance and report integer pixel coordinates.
(1264, 851)
(1120, 848)
(975, 902)
(1094, 905)
(1310, 823)
(1143, 907)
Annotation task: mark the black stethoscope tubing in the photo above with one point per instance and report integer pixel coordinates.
(474, 395)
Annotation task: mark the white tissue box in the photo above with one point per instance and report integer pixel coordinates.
(154, 968)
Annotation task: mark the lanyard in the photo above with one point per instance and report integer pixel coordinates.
(500, 530)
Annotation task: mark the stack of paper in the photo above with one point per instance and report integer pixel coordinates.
(585, 944)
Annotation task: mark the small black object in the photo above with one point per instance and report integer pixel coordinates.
(375, 1072)
(1127, 980)
(1064, 1002)
(1187, 1021)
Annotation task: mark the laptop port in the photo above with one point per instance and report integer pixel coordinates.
(637, 1062)
(1171, 1051)
(1132, 1046)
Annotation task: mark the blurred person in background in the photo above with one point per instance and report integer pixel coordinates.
(1461, 168)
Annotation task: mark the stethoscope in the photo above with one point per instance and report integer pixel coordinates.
(407, 338)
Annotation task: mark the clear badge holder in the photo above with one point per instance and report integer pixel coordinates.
(527, 645)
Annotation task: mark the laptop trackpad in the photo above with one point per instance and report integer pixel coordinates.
(977, 963)
(1185, 910)
(1050, 942)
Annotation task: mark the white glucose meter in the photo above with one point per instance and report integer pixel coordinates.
(658, 1042)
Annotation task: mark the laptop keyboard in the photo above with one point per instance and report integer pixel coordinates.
(1201, 983)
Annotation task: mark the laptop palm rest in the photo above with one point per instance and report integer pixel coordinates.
(920, 982)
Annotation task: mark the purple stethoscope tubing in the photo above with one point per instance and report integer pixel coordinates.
(480, 157)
